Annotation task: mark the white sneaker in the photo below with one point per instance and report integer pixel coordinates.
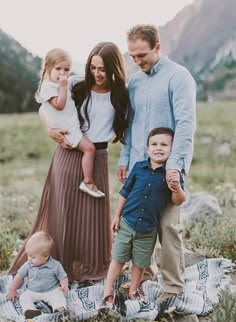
(95, 194)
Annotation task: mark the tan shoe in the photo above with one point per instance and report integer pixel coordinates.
(164, 296)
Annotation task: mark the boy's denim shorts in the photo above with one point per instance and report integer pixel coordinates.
(132, 245)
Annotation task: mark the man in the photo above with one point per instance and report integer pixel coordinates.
(162, 94)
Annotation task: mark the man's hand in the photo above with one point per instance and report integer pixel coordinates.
(121, 173)
(173, 180)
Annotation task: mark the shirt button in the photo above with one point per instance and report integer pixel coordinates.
(145, 197)
(142, 209)
(153, 172)
(149, 184)
(140, 219)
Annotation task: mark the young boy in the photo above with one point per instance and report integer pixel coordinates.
(46, 278)
(142, 199)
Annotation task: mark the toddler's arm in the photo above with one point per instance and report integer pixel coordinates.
(178, 194)
(12, 292)
(59, 101)
(116, 220)
(64, 285)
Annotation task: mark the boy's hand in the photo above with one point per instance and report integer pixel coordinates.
(173, 180)
(175, 185)
(11, 295)
(63, 80)
(115, 224)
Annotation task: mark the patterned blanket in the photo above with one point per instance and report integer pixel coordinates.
(203, 282)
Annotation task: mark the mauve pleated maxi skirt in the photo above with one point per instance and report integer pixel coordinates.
(78, 223)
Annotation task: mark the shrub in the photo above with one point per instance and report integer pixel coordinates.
(226, 310)
(7, 246)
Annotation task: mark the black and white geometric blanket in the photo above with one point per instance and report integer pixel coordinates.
(203, 281)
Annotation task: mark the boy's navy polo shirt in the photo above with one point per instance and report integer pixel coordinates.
(146, 194)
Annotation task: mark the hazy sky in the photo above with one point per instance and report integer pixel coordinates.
(77, 25)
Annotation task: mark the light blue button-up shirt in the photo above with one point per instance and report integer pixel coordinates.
(166, 97)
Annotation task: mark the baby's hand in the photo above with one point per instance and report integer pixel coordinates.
(64, 285)
(64, 289)
(63, 80)
(11, 295)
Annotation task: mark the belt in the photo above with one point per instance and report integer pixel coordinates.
(101, 145)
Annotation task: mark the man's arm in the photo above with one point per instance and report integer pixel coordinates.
(125, 151)
(183, 90)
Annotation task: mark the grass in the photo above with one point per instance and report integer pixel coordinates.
(26, 152)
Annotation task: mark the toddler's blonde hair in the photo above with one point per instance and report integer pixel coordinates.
(40, 242)
(53, 57)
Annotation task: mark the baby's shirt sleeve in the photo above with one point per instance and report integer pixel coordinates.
(61, 274)
(48, 90)
(24, 270)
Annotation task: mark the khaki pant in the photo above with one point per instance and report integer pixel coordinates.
(172, 253)
(55, 298)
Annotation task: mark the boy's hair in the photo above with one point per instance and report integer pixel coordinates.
(41, 241)
(53, 57)
(148, 33)
(160, 130)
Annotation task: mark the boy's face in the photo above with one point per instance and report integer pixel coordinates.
(159, 148)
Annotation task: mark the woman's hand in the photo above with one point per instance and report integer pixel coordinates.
(58, 135)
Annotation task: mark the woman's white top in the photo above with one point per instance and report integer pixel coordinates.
(101, 116)
(66, 119)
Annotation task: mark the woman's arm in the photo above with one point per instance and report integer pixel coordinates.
(57, 135)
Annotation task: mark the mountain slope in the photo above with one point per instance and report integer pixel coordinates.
(203, 37)
(19, 76)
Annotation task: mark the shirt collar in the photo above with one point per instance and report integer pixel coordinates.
(155, 68)
(146, 164)
(49, 263)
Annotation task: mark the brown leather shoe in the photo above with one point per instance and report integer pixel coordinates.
(30, 314)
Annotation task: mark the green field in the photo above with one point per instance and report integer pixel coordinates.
(26, 151)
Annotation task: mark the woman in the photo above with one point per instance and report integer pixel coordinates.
(78, 223)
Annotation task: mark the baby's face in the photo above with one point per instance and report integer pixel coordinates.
(37, 259)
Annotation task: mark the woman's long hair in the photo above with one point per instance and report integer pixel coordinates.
(115, 71)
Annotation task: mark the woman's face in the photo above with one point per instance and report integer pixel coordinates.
(98, 71)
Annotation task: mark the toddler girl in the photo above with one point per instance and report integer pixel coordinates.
(60, 112)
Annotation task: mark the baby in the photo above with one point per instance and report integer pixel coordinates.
(45, 278)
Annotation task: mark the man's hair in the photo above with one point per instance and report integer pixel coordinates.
(148, 33)
(160, 130)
